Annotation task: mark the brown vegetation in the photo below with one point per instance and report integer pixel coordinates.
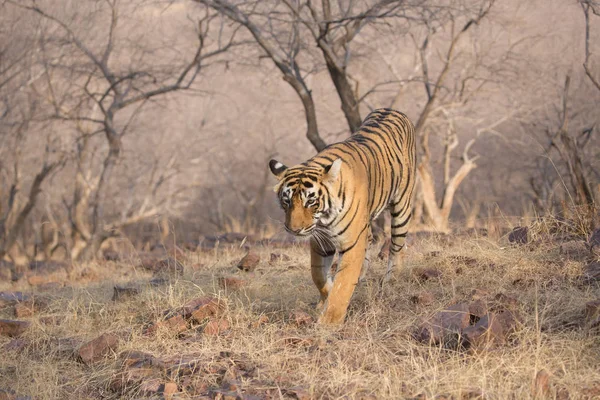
(506, 321)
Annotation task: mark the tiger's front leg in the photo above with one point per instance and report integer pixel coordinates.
(321, 259)
(346, 279)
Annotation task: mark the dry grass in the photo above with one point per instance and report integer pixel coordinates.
(373, 354)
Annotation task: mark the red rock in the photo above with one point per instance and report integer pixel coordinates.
(172, 322)
(133, 358)
(11, 298)
(30, 307)
(169, 390)
(478, 309)
(591, 272)
(203, 307)
(249, 262)
(216, 327)
(301, 318)
(445, 325)
(488, 331)
(124, 292)
(150, 387)
(423, 298)
(541, 385)
(519, 235)
(279, 257)
(98, 348)
(12, 328)
(167, 265)
(16, 345)
(232, 282)
(424, 274)
(298, 393)
(221, 394)
(592, 310)
(594, 242)
(504, 302)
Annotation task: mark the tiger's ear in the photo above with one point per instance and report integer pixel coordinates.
(332, 171)
(277, 168)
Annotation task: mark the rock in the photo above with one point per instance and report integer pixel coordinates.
(203, 307)
(591, 272)
(504, 302)
(110, 255)
(150, 387)
(169, 390)
(167, 265)
(30, 307)
(592, 310)
(11, 298)
(249, 262)
(172, 322)
(16, 345)
(478, 309)
(215, 327)
(509, 321)
(301, 318)
(486, 332)
(541, 385)
(13, 328)
(232, 385)
(385, 250)
(594, 242)
(232, 282)
(124, 292)
(423, 298)
(425, 274)
(42, 272)
(445, 325)
(65, 347)
(133, 358)
(222, 394)
(279, 257)
(98, 348)
(297, 392)
(519, 235)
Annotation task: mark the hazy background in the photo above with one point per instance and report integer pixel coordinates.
(89, 89)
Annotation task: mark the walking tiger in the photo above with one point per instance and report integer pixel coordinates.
(334, 196)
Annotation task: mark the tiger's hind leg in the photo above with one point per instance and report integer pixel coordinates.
(320, 265)
(367, 262)
(401, 215)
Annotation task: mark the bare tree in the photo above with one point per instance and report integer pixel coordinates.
(288, 31)
(101, 94)
(21, 184)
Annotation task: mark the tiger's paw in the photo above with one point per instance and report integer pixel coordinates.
(332, 318)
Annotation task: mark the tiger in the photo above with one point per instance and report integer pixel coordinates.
(333, 197)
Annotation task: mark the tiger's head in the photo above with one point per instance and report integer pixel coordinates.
(306, 194)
